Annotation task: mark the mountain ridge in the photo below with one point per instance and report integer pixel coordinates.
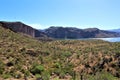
(76, 33)
(115, 30)
(58, 32)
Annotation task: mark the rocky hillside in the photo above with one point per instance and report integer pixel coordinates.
(25, 58)
(75, 33)
(22, 28)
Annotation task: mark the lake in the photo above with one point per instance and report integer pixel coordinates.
(116, 39)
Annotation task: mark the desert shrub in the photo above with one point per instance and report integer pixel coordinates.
(6, 76)
(62, 75)
(62, 69)
(63, 55)
(45, 53)
(37, 76)
(45, 75)
(103, 76)
(17, 76)
(38, 69)
(67, 54)
(68, 68)
(73, 75)
(57, 65)
(2, 67)
(31, 52)
(25, 72)
(22, 50)
(9, 64)
(57, 71)
(78, 54)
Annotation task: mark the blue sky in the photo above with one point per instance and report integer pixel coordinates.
(103, 14)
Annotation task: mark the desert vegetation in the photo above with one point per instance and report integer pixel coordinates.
(26, 58)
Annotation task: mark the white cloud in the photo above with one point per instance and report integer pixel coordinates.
(37, 26)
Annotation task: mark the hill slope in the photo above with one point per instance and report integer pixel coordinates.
(24, 57)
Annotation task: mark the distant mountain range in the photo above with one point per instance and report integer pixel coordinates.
(115, 30)
(75, 33)
(59, 32)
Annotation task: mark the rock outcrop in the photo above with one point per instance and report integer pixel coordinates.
(22, 28)
(19, 27)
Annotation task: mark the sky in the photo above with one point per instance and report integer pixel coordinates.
(41, 14)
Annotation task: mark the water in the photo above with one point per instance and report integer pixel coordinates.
(116, 39)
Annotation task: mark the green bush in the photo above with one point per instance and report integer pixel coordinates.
(38, 69)
(67, 54)
(26, 73)
(6, 76)
(17, 76)
(37, 75)
(2, 67)
(103, 76)
(45, 75)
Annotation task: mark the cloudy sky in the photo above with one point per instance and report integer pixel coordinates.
(103, 14)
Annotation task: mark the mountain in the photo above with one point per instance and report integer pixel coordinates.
(25, 58)
(58, 32)
(115, 30)
(22, 28)
(75, 33)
